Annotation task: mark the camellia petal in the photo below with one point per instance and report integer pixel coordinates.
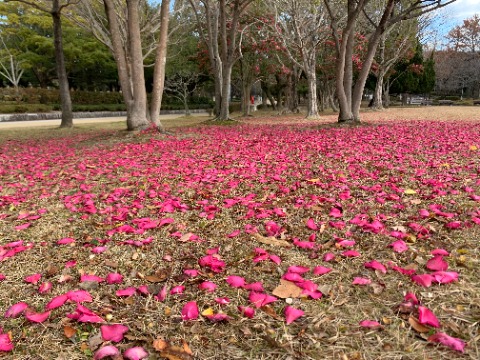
(190, 311)
(113, 332)
(371, 324)
(376, 266)
(33, 279)
(79, 296)
(236, 281)
(105, 351)
(445, 277)
(424, 280)
(399, 246)
(16, 310)
(57, 301)
(36, 317)
(426, 317)
(298, 269)
(6, 344)
(135, 353)
(328, 257)
(292, 314)
(247, 311)
(447, 340)
(361, 281)
(311, 224)
(321, 270)
(126, 292)
(437, 263)
(256, 286)
(45, 287)
(207, 286)
(114, 278)
(222, 301)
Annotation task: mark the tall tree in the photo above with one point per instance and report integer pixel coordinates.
(301, 27)
(130, 29)
(343, 27)
(466, 37)
(55, 10)
(218, 25)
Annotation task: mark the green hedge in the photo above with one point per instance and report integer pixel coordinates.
(24, 108)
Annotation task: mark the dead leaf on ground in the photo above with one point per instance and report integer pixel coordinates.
(417, 326)
(270, 240)
(270, 311)
(287, 289)
(160, 344)
(69, 331)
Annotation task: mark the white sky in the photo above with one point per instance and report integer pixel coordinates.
(462, 9)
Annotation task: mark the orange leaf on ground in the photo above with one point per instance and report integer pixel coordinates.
(270, 240)
(287, 289)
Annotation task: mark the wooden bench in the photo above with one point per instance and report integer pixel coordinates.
(476, 102)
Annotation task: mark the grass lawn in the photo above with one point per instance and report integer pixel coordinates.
(273, 238)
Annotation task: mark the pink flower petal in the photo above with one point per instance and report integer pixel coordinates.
(292, 314)
(371, 324)
(437, 263)
(311, 224)
(328, 257)
(2, 277)
(441, 252)
(399, 246)
(222, 301)
(451, 342)
(126, 292)
(260, 300)
(6, 344)
(91, 278)
(321, 270)
(70, 263)
(218, 317)
(135, 353)
(177, 290)
(114, 278)
(99, 249)
(236, 281)
(45, 287)
(162, 294)
(256, 286)
(445, 277)
(57, 301)
(275, 259)
(247, 311)
(410, 297)
(208, 286)
(361, 281)
(113, 332)
(376, 266)
(426, 317)
(65, 241)
(293, 277)
(424, 280)
(191, 272)
(16, 310)
(190, 311)
(298, 269)
(351, 253)
(36, 317)
(79, 296)
(105, 351)
(33, 279)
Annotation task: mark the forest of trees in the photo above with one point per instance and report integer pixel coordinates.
(317, 54)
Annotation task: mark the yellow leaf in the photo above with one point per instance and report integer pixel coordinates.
(409, 192)
(473, 148)
(207, 312)
(313, 180)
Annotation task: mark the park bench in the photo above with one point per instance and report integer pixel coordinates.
(476, 102)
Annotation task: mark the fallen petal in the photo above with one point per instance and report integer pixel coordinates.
(426, 317)
(247, 311)
(236, 281)
(36, 317)
(16, 310)
(113, 332)
(451, 342)
(114, 278)
(135, 353)
(105, 351)
(190, 311)
(6, 344)
(57, 301)
(292, 314)
(371, 324)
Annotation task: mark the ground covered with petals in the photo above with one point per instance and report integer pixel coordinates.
(268, 239)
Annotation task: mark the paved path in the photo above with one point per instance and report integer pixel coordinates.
(56, 122)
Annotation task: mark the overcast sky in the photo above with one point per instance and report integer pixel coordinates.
(462, 9)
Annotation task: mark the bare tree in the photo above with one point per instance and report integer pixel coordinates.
(301, 27)
(344, 28)
(11, 67)
(218, 23)
(55, 10)
(120, 26)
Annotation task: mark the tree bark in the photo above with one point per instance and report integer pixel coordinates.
(138, 114)
(312, 104)
(65, 99)
(159, 70)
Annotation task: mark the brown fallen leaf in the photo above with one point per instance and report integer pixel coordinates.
(175, 353)
(270, 311)
(156, 278)
(417, 326)
(270, 240)
(186, 348)
(160, 344)
(186, 237)
(69, 331)
(287, 289)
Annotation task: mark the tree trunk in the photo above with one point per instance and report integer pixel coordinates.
(378, 95)
(65, 99)
(226, 84)
(160, 62)
(312, 105)
(246, 94)
(137, 119)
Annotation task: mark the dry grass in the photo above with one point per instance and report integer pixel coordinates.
(329, 329)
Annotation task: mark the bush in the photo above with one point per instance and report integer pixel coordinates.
(235, 107)
(24, 108)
